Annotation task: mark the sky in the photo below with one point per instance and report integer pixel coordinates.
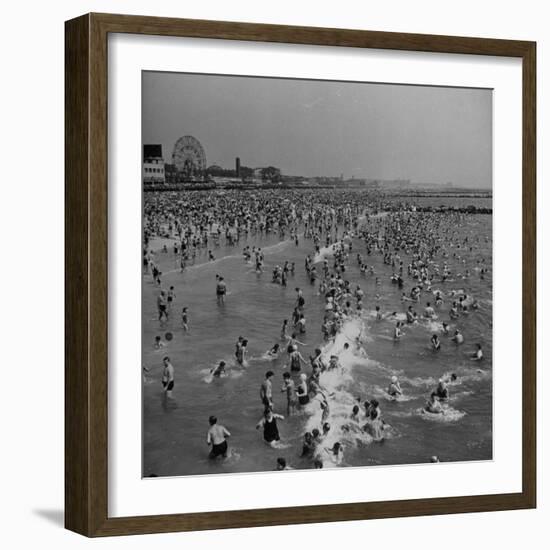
(325, 128)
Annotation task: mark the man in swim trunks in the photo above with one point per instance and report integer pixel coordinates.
(458, 338)
(429, 311)
(221, 290)
(161, 306)
(300, 300)
(266, 390)
(216, 437)
(168, 377)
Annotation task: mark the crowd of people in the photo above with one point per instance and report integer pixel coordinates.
(343, 228)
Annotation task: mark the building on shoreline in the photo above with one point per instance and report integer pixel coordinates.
(153, 165)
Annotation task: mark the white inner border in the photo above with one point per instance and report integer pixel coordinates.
(129, 495)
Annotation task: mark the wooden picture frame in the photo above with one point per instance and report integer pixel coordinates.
(86, 280)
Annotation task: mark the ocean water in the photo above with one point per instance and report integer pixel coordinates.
(174, 431)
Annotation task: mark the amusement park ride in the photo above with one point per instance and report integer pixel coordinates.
(189, 159)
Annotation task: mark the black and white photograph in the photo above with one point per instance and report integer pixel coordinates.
(317, 274)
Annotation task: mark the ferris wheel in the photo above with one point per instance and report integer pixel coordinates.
(188, 157)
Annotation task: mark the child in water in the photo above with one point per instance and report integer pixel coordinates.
(478, 354)
(397, 333)
(336, 453)
(219, 370)
(394, 389)
(435, 342)
(274, 351)
(433, 405)
(184, 319)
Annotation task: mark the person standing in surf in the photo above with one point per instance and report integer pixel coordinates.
(296, 360)
(217, 437)
(290, 389)
(184, 319)
(266, 391)
(221, 290)
(241, 351)
(269, 425)
(300, 300)
(168, 377)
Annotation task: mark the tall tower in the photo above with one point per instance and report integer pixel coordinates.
(238, 167)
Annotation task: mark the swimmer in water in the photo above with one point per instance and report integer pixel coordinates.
(433, 405)
(429, 311)
(284, 335)
(397, 333)
(144, 370)
(168, 377)
(478, 354)
(300, 300)
(266, 390)
(292, 343)
(302, 390)
(290, 389)
(333, 363)
(435, 342)
(158, 343)
(336, 453)
(308, 446)
(219, 370)
(269, 424)
(170, 297)
(221, 290)
(184, 319)
(458, 338)
(162, 306)
(217, 437)
(394, 389)
(296, 360)
(442, 389)
(453, 312)
(317, 361)
(282, 465)
(375, 424)
(241, 352)
(325, 408)
(274, 351)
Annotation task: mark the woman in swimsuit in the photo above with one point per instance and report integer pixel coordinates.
(269, 424)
